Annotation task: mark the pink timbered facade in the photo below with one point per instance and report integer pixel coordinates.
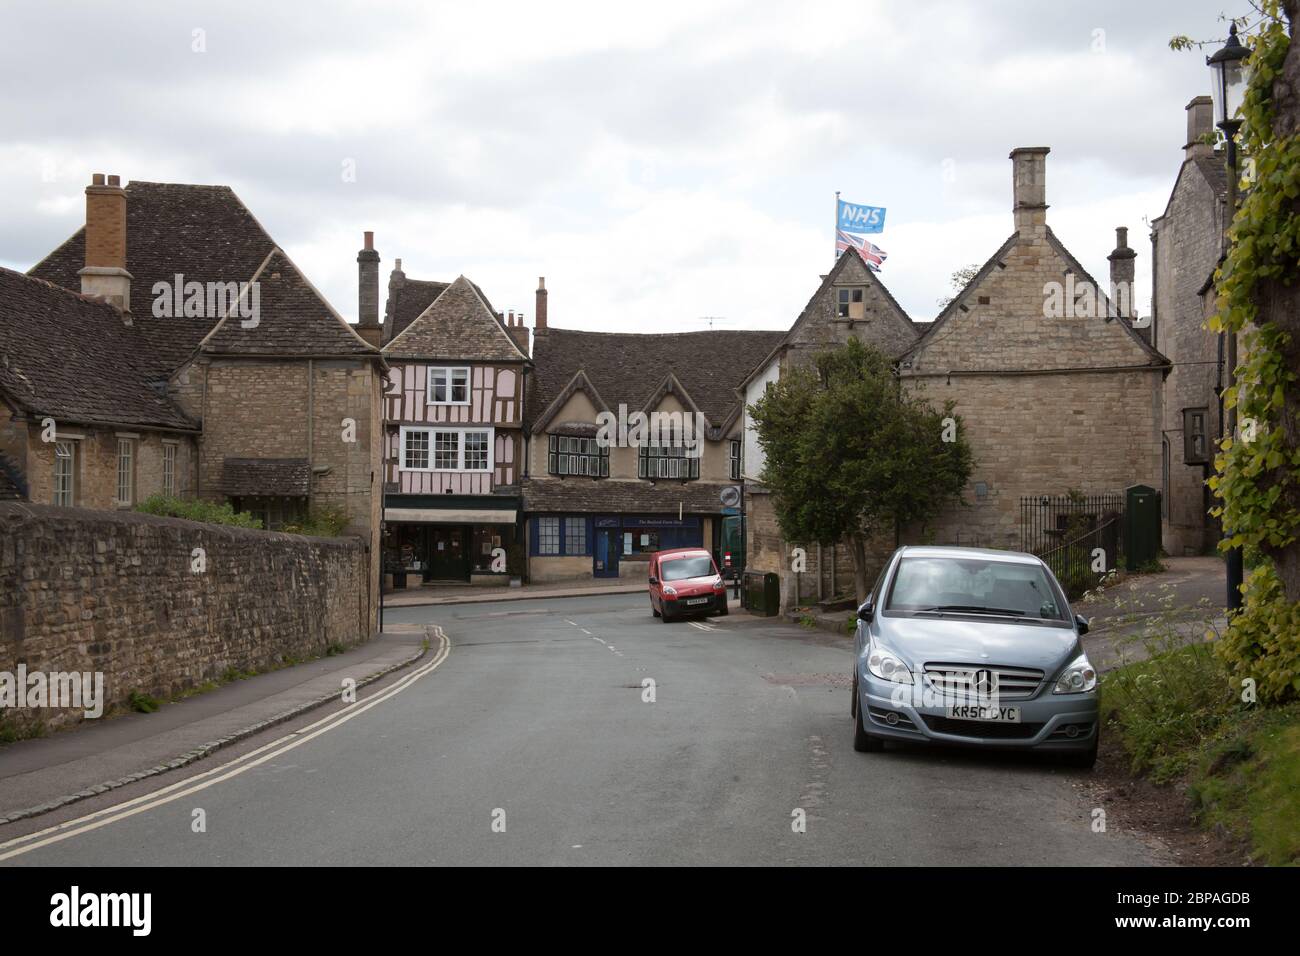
(453, 436)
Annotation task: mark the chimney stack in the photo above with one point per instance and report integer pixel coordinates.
(540, 323)
(1122, 272)
(368, 326)
(105, 272)
(517, 331)
(1200, 120)
(1029, 188)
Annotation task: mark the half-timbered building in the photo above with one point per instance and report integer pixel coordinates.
(454, 444)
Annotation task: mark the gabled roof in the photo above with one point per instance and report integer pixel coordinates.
(292, 319)
(408, 298)
(74, 359)
(995, 261)
(458, 324)
(629, 368)
(1213, 169)
(810, 311)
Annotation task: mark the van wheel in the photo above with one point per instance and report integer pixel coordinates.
(863, 742)
(653, 610)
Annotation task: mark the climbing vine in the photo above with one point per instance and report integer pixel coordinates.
(1257, 477)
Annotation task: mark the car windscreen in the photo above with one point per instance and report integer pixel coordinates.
(695, 566)
(975, 585)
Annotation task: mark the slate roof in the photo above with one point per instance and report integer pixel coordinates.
(289, 477)
(1215, 170)
(74, 358)
(458, 324)
(293, 319)
(619, 496)
(951, 309)
(206, 234)
(630, 368)
(407, 298)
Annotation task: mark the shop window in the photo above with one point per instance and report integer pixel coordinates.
(548, 535)
(575, 536)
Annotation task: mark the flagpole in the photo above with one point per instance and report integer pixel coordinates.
(836, 233)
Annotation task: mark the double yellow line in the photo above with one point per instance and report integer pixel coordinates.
(219, 774)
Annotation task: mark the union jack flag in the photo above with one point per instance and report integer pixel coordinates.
(871, 253)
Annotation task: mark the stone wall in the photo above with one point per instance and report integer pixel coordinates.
(1186, 241)
(117, 593)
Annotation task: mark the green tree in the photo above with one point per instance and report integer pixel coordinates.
(850, 454)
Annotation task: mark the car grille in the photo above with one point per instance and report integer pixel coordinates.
(978, 728)
(958, 680)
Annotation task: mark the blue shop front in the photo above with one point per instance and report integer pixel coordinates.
(608, 546)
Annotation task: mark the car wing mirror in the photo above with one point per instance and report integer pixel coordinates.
(866, 611)
(1081, 623)
(653, 579)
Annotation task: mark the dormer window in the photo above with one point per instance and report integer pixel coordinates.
(851, 303)
(448, 386)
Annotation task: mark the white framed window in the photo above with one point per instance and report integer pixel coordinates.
(447, 449)
(65, 473)
(448, 385)
(125, 472)
(169, 469)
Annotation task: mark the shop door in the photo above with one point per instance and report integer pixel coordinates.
(449, 553)
(605, 562)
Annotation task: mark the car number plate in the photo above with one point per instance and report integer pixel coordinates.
(697, 600)
(1002, 715)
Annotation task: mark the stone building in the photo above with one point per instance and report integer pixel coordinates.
(1186, 244)
(268, 397)
(850, 302)
(597, 508)
(1057, 389)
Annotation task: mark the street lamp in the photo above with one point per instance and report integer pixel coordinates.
(1229, 86)
(1228, 89)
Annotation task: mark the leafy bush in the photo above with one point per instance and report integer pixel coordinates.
(144, 703)
(196, 509)
(323, 522)
(1165, 706)
(1263, 640)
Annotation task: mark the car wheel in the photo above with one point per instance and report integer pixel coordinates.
(653, 609)
(853, 703)
(664, 616)
(1085, 759)
(725, 611)
(863, 742)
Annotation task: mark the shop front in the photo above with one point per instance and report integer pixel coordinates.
(608, 546)
(425, 545)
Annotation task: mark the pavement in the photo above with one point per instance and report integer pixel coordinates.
(101, 755)
(436, 594)
(585, 731)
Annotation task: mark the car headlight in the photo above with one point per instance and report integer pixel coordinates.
(887, 665)
(670, 590)
(1079, 677)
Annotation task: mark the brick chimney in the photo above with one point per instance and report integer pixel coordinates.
(105, 272)
(540, 323)
(1123, 268)
(1029, 189)
(368, 326)
(518, 331)
(1200, 120)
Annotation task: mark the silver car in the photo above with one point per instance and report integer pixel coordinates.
(973, 647)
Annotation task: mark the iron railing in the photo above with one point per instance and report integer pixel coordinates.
(1080, 537)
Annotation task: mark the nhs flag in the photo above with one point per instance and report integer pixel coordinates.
(854, 218)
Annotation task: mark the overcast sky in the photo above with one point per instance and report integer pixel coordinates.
(657, 162)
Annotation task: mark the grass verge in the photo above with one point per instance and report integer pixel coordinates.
(1182, 724)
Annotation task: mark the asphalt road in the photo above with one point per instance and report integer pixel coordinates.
(531, 742)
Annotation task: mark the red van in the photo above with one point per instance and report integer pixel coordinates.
(685, 580)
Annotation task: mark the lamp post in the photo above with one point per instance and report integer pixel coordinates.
(1228, 91)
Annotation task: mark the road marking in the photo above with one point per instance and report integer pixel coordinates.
(702, 627)
(585, 631)
(602, 640)
(232, 768)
